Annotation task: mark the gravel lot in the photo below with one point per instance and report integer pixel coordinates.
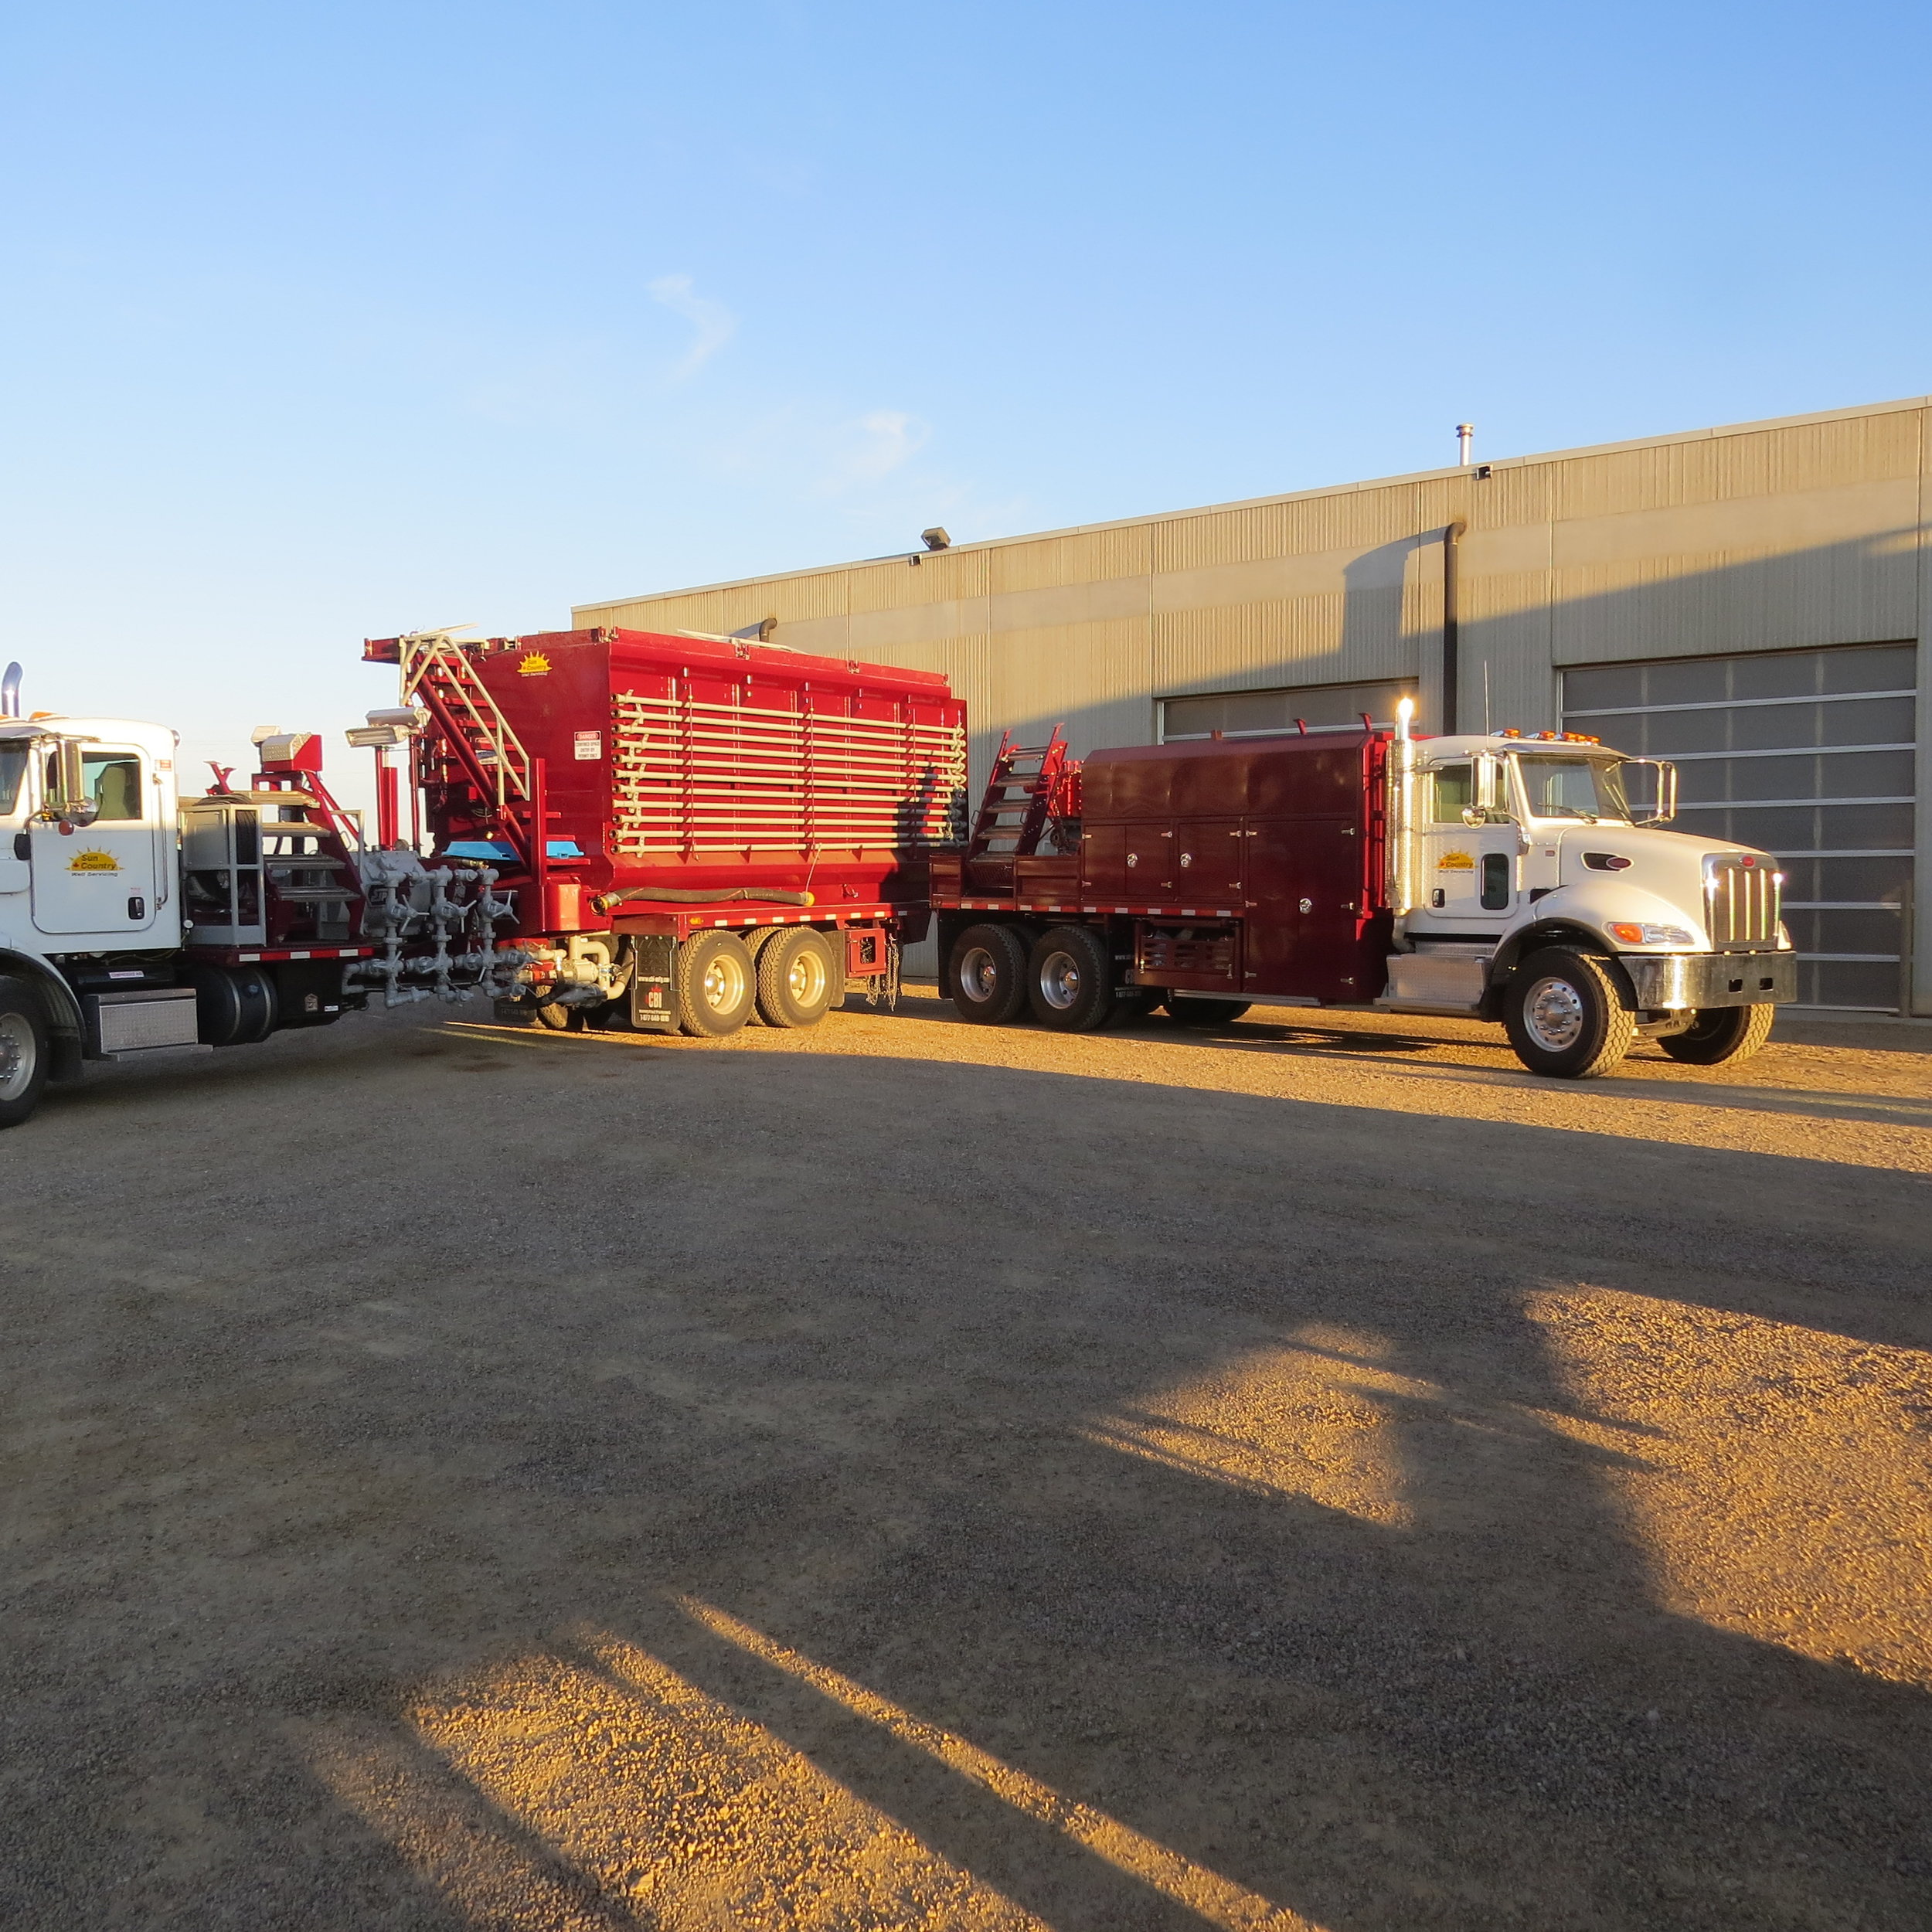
(904, 1475)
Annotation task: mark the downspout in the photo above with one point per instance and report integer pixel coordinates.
(1451, 622)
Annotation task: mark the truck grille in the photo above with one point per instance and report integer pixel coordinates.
(1741, 902)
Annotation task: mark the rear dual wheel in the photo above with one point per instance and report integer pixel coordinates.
(794, 981)
(715, 986)
(1069, 979)
(986, 974)
(800, 978)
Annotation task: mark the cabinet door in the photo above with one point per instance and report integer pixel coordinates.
(1303, 904)
(1209, 862)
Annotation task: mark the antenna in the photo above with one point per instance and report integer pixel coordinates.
(1486, 731)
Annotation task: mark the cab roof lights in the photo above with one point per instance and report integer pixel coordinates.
(1547, 737)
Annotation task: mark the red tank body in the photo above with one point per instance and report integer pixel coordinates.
(686, 762)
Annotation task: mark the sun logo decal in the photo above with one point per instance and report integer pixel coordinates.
(94, 859)
(533, 665)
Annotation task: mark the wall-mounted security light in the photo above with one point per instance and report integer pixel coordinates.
(935, 539)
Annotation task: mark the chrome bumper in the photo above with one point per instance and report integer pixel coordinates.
(1678, 982)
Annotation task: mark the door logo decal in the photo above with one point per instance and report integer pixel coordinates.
(1455, 861)
(94, 859)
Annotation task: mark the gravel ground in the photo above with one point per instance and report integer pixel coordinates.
(905, 1475)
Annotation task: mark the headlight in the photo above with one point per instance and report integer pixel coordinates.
(1649, 935)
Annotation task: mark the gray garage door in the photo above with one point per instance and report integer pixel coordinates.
(1250, 714)
(1808, 754)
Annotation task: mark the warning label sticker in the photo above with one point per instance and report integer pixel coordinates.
(589, 744)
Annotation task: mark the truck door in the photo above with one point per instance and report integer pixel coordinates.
(98, 879)
(1303, 883)
(1468, 881)
(1209, 863)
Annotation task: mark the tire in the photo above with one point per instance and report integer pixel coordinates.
(560, 1018)
(1721, 1036)
(798, 978)
(1565, 1017)
(25, 1060)
(986, 974)
(1205, 1012)
(1069, 979)
(716, 985)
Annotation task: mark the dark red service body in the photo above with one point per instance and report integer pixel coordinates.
(1239, 868)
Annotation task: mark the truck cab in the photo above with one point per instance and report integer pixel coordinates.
(87, 812)
(1504, 848)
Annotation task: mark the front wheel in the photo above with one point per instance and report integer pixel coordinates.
(1565, 1018)
(23, 1052)
(1720, 1035)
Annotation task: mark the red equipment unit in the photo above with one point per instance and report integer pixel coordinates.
(1236, 868)
(687, 763)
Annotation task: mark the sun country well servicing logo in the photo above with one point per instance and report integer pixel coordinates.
(94, 859)
(1455, 861)
(533, 664)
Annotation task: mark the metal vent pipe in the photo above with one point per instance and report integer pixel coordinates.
(1451, 621)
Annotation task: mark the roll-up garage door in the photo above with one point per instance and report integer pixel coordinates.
(1808, 754)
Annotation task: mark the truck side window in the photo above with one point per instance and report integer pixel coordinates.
(113, 782)
(13, 768)
(1496, 893)
(1452, 792)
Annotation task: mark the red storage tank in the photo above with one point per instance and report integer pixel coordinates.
(691, 762)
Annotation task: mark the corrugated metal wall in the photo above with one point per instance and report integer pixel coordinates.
(1779, 535)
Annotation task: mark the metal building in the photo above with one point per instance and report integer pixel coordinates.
(1754, 602)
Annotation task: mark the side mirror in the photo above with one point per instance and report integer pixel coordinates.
(73, 806)
(1666, 806)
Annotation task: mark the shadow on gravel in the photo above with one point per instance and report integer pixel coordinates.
(780, 1491)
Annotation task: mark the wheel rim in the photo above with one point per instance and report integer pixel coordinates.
(1553, 1016)
(19, 1054)
(724, 983)
(806, 980)
(1059, 980)
(978, 974)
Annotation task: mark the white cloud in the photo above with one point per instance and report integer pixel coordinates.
(871, 448)
(714, 323)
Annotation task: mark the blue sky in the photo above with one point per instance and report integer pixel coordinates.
(327, 321)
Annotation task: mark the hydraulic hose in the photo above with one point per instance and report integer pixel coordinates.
(701, 895)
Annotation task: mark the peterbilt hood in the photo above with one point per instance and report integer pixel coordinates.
(1661, 883)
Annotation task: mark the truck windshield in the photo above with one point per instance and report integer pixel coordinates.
(1585, 788)
(13, 764)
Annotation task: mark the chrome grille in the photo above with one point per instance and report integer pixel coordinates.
(1741, 901)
